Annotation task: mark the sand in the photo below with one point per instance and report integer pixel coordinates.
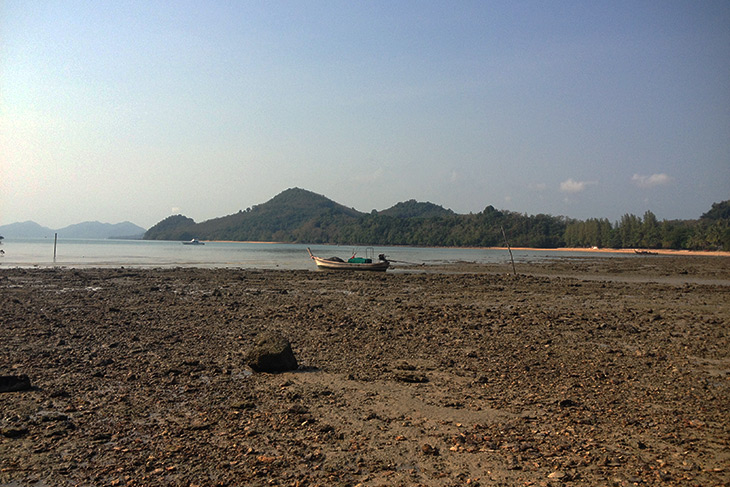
(588, 371)
(603, 250)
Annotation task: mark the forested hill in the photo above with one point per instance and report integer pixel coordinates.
(300, 216)
(414, 209)
(287, 217)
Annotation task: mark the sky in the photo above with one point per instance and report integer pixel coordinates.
(134, 111)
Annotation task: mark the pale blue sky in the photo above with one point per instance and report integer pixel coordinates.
(135, 110)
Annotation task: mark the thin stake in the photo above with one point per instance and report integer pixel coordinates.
(514, 271)
(55, 241)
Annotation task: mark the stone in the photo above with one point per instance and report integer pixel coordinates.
(410, 377)
(271, 353)
(14, 432)
(567, 403)
(427, 449)
(14, 383)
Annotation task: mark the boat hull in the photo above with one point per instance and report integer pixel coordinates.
(332, 265)
(339, 265)
(194, 241)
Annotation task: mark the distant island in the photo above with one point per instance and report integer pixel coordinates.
(29, 229)
(301, 216)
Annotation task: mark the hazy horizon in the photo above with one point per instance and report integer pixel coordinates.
(228, 214)
(136, 111)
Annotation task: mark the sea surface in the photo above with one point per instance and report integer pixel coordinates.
(78, 253)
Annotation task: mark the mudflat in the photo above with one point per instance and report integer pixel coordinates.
(590, 371)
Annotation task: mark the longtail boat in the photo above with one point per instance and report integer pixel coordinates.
(353, 263)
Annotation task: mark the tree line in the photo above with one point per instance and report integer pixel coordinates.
(297, 216)
(537, 231)
(649, 233)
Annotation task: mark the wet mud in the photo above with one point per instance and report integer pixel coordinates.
(573, 372)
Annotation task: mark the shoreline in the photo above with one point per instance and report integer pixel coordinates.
(708, 253)
(607, 250)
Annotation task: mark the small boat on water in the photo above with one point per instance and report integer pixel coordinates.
(367, 263)
(194, 241)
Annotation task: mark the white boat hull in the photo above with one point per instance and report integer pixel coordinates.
(379, 266)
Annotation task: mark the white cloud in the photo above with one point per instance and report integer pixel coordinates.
(650, 181)
(572, 186)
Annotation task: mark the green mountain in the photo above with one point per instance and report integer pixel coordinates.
(175, 227)
(300, 216)
(295, 215)
(415, 209)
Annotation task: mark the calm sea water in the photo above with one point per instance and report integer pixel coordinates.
(146, 253)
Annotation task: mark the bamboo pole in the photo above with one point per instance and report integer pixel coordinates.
(514, 271)
(55, 241)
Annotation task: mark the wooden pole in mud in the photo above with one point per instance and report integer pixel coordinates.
(514, 271)
(55, 241)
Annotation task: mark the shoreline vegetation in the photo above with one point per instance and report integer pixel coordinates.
(604, 371)
(300, 216)
(641, 251)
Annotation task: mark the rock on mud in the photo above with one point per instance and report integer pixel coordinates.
(14, 383)
(271, 353)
